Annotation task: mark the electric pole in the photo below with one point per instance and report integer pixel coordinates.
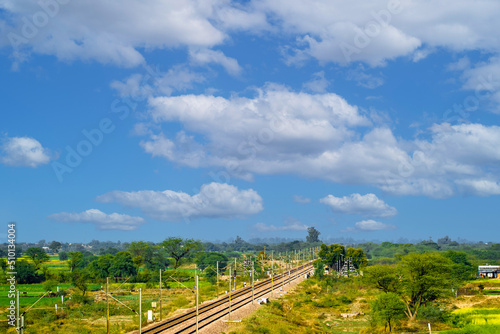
(252, 283)
(160, 297)
(229, 293)
(107, 305)
(140, 310)
(197, 296)
(272, 273)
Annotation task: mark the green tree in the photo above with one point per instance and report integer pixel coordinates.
(382, 277)
(26, 273)
(210, 274)
(49, 285)
(75, 260)
(312, 234)
(63, 256)
(319, 269)
(3, 264)
(158, 261)
(55, 246)
(141, 252)
(463, 269)
(100, 268)
(425, 278)
(204, 260)
(358, 257)
(123, 265)
(331, 254)
(37, 255)
(78, 279)
(388, 309)
(179, 248)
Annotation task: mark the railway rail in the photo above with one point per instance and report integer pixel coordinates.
(239, 298)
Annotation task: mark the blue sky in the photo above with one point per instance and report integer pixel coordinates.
(139, 120)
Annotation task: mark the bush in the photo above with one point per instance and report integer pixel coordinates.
(63, 256)
(432, 313)
(50, 285)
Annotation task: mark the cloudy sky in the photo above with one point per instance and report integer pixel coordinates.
(143, 119)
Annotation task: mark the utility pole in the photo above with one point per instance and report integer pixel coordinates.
(140, 310)
(283, 278)
(17, 310)
(217, 279)
(272, 273)
(160, 297)
(252, 283)
(229, 293)
(235, 269)
(197, 296)
(289, 266)
(107, 305)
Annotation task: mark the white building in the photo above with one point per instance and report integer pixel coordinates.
(489, 271)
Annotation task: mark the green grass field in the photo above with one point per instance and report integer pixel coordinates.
(30, 293)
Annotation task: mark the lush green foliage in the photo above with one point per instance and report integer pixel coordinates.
(37, 255)
(388, 309)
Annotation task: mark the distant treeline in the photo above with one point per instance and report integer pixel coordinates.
(479, 250)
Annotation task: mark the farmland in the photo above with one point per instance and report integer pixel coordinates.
(77, 284)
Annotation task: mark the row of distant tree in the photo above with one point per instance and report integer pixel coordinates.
(109, 247)
(142, 260)
(481, 251)
(139, 262)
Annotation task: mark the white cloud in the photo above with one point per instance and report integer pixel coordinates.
(103, 221)
(215, 200)
(23, 151)
(142, 86)
(318, 84)
(483, 80)
(480, 187)
(368, 205)
(380, 30)
(372, 225)
(206, 56)
(318, 136)
(115, 31)
(301, 199)
(373, 32)
(290, 225)
(242, 131)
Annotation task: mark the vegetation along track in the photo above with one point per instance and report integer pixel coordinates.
(205, 317)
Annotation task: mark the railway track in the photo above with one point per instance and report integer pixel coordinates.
(239, 298)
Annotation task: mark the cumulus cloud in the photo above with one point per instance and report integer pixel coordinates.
(279, 131)
(152, 83)
(248, 134)
(372, 225)
(215, 200)
(23, 151)
(480, 187)
(318, 84)
(103, 221)
(483, 79)
(290, 225)
(115, 32)
(380, 30)
(329, 31)
(368, 205)
(206, 56)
